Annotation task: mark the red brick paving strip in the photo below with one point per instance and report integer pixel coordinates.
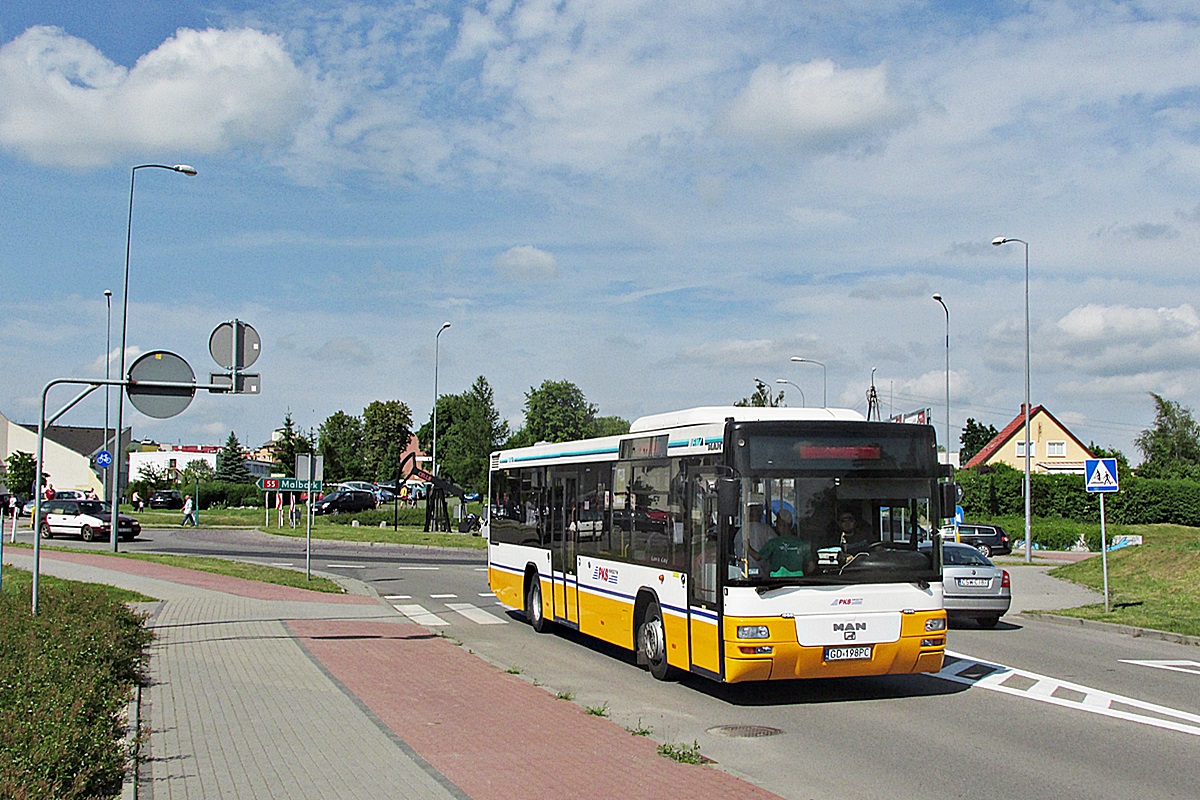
(241, 587)
(493, 734)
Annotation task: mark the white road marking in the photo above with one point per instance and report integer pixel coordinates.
(487, 594)
(397, 597)
(475, 614)
(419, 615)
(280, 564)
(1190, 667)
(423, 569)
(999, 678)
(345, 566)
(444, 596)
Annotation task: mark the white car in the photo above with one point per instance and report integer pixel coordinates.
(87, 519)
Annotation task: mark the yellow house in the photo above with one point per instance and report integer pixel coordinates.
(1053, 448)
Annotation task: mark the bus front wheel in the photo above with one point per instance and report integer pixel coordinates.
(652, 640)
(533, 606)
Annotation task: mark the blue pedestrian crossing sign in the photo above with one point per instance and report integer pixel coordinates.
(1101, 474)
(104, 459)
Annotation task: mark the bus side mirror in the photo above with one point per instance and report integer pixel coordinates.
(951, 493)
(728, 494)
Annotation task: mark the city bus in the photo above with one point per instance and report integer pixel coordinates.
(659, 541)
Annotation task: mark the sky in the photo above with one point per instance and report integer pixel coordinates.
(660, 202)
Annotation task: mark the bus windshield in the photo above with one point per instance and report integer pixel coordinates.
(816, 510)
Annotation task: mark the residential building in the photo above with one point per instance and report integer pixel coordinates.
(68, 453)
(1053, 448)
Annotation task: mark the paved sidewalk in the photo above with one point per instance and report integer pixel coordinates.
(261, 691)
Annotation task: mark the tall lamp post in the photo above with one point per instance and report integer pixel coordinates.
(781, 381)
(942, 302)
(824, 378)
(107, 389)
(436, 344)
(999, 240)
(118, 456)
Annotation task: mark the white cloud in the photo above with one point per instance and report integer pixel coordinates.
(62, 102)
(816, 105)
(526, 263)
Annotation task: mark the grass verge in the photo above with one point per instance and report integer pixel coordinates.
(1155, 585)
(65, 677)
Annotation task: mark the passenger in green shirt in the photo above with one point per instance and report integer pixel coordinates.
(787, 555)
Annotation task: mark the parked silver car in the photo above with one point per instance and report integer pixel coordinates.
(973, 587)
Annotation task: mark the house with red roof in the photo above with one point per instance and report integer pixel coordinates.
(1053, 448)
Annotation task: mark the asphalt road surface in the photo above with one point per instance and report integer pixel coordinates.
(1031, 709)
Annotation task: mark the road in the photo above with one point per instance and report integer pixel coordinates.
(1032, 709)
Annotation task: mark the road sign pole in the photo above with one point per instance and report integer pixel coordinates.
(1104, 552)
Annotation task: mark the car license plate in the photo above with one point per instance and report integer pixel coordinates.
(847, 653)
(981, 582)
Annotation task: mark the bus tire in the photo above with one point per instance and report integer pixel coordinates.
(533, 605)
(652, 642)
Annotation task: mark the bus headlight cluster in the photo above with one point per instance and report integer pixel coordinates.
(936, 624)
(753, 632)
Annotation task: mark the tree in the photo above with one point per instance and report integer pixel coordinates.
(289, 445)
(341, 443)
(386, 428)
(609, 426)
(762, 397)
(231, 463)
(469, 429)
(975, 436)
(22, 469)
(556, 411)
(196, 471)
(151, 477)
(1170, 449)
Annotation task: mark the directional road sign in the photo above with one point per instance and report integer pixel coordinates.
(288, 485)
(1101, 474)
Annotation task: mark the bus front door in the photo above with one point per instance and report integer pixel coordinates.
(705, 557)
(563, 494)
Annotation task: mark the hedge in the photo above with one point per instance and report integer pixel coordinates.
(65, 676)
(1141, 501)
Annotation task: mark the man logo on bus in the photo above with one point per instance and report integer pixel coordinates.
(849, 627)
(604, 574)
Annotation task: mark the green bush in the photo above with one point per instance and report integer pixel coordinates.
(228, 495)
(65, 675)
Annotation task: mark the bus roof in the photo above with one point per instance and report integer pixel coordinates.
(718, 414)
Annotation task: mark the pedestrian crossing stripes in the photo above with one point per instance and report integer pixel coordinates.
(423, 616)
(1008, 680)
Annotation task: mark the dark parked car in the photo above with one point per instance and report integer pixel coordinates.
(87, 519)
(344, 501)
(166, 498)
(991, 540)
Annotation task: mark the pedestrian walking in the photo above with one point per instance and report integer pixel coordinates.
(189, 512)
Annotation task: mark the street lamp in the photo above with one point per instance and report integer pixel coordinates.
(999, 240)
(824, 378)
(107, 389)
(942, 302)
(803, 402)
(436, 344)
(190, 171)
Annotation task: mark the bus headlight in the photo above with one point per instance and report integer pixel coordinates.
(936, 624)
(753, 632)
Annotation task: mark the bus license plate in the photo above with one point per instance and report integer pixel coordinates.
(981, 582)
(847, 653)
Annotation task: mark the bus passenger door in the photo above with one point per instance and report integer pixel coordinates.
(563, 532)
(704, 607)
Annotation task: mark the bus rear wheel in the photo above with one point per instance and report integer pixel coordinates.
(533, 606)
(652, 641)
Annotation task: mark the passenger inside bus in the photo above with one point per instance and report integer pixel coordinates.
(786, 555)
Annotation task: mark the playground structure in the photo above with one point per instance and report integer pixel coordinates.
(437, 512)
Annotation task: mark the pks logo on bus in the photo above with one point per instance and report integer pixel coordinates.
(847, 601)
(604, 574)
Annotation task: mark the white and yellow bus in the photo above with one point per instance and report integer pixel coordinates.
(658, 541)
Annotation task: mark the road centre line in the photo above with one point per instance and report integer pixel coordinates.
(443, 596)
(1008, 680)
(423, 569)
(345, 566)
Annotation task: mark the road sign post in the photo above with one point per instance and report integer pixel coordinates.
(1101, 477)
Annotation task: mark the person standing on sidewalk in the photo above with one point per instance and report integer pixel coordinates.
(189, 512)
